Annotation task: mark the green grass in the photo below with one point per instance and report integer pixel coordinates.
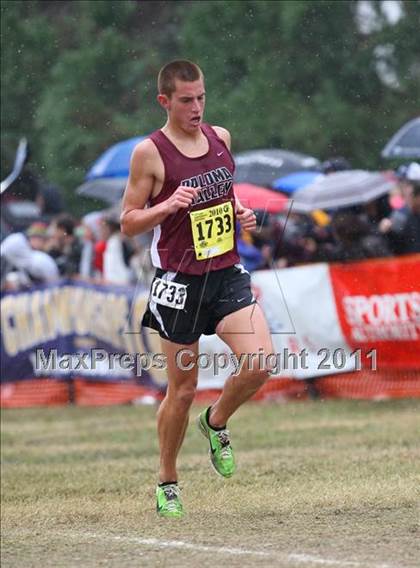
(333, 480)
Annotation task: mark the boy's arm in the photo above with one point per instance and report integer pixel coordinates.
(135, 217)
(245, 216)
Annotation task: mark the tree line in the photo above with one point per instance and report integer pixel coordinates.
(319, 77)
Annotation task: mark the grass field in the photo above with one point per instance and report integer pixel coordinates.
(318, 484)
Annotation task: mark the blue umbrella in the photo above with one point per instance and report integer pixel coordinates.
(107, 177)
(115, 161)
(251, 257)
(292, 182)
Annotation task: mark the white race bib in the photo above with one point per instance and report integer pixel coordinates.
(170, 294)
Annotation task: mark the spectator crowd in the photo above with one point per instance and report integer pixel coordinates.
(387, 226)
(93, 248)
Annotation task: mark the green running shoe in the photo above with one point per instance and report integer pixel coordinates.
(221, 453)
(168, 503)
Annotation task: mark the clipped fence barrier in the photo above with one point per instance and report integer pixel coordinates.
(339, 331)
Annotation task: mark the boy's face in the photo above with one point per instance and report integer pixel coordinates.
(185, 107)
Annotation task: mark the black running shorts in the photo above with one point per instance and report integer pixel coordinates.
(182, 307)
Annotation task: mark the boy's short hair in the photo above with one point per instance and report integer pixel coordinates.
(180, 69)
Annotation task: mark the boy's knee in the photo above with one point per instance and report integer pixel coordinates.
(258, 376)
(185, 394)
(261, 376)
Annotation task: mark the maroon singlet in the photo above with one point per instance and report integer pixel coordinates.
(173, 246)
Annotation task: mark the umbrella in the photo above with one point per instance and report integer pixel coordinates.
(292, 182)
(405, 143)
(342, 189)
(20, 159)
(263, 167)
(256, 197)
(109, 190)
(107, 177)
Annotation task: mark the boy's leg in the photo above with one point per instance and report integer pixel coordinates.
(246, 332)
(255, 338)
(174, 409)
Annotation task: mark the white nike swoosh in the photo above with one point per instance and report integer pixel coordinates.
(219, 153)
(241, 299)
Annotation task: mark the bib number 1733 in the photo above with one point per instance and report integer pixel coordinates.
(170, 294)
(212, 230)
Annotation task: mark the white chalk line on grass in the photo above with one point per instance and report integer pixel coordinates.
(177, 544)
(297, 558)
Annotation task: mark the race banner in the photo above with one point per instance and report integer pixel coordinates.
(378, 305)
(324, 320)
(74, 329)
(301, 312)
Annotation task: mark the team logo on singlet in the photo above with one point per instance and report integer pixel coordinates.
(214, 184)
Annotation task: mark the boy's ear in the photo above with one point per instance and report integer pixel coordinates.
(163, 100)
